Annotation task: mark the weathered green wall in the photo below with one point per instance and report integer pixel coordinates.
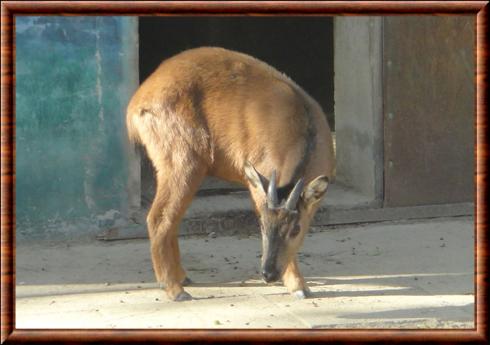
(74, 77)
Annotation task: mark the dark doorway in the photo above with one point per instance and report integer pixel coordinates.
(301, 47)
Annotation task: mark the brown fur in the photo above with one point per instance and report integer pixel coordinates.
(207, 111)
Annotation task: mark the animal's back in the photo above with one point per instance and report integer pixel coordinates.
(230, 107)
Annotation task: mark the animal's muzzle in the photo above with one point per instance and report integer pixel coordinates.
(270, 276)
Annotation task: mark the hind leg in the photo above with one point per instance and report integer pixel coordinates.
(185, 280)
(175, 189)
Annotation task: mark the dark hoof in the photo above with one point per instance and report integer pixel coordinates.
(187, 281)
(183, 296)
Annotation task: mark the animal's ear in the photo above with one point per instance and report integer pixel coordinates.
(315, 190)
(254, 178)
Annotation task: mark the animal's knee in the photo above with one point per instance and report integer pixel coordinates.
(161, 243)
(156, 221)
(153, 221)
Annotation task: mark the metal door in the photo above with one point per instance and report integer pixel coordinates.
(429, 95)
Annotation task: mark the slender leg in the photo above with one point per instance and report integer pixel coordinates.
(175, 190)
(294, 281)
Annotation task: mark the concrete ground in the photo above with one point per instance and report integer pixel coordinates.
(385, 275)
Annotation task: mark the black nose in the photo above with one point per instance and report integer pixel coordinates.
(270, 276)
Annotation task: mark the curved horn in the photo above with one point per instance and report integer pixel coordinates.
(294, 195)
(272, 191)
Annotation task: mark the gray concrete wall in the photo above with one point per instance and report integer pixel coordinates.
(358, 103)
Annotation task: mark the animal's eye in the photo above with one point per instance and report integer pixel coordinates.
(295, 231)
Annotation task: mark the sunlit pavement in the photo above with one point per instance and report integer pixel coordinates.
(385, 275)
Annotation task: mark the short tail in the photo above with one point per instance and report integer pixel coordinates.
(133, 133)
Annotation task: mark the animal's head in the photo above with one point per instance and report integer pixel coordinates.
(283, 221)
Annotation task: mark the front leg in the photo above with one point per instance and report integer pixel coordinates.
(294, 281)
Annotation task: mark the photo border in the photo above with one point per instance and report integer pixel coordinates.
(10, 9)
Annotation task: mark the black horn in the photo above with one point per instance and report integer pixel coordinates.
(272, 191)
(294, 196)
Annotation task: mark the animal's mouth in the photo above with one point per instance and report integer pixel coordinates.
(270, 276)
(270, 281)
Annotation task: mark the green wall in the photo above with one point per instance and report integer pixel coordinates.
(74, 77)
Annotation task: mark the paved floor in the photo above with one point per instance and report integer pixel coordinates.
(387, 275)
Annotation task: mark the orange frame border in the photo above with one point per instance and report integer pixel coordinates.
(10, 9)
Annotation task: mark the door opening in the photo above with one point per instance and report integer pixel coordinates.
(301, 47)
